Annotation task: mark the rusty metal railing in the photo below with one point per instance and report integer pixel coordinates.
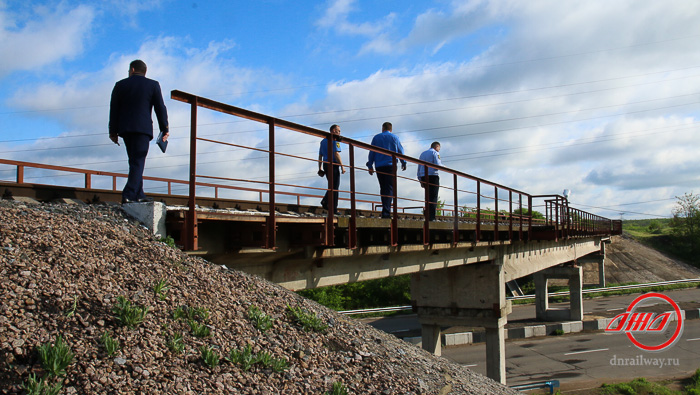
(510, 206)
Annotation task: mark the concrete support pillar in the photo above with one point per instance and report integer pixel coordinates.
(431, 339)
(601, 266)
(575, 310)
(576, 294)
(469, 295)
(541, 297)
(496, 353)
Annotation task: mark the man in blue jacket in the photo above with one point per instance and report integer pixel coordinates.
(133, 100)
(324, 167)
(385, 166)
(431, 180)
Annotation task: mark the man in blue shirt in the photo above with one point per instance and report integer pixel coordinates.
(385, 166)
(431, 179)
(324, 161)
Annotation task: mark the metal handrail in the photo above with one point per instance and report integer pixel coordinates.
(503, 223)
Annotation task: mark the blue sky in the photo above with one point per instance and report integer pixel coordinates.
(598, 97)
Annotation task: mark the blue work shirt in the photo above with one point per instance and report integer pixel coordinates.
(386, 140)
(323, 150)
(430, 156)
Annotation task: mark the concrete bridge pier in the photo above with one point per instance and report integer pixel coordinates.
(575, 311)
(467, 295)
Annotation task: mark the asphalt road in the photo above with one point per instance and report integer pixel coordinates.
(593, 357)
(586, 357)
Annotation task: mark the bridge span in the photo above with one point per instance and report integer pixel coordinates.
(486, 234)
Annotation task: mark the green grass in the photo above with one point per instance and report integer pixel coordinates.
(55, 357)
(640, 386)
(129, 315)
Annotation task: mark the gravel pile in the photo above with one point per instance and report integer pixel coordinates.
(64, 267)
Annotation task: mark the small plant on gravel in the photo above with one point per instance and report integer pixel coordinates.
(70, 312)
(338, 389)
(307, 320)
(128, 315)
(260, 320)
(56, 357)
(199, 329)
(244, 357)
(111, 344)
(264, 358)
(41, 386)
(168, 240)
(209, 356)
(175, 343)
(558, 332)
(161, 288)
(279, 364)
(191, 313)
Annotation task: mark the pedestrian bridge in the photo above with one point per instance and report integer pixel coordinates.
(486, 234)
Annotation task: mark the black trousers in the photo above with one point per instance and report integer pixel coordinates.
(386, 188)
(433, 188)
(336, 186)
(137, 150)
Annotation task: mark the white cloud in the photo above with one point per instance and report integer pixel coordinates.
(43, 38)
(336, 18)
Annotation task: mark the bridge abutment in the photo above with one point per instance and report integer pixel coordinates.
(468, 295)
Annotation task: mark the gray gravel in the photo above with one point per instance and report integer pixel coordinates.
(54, 257)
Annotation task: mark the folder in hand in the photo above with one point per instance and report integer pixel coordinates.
(161, 144)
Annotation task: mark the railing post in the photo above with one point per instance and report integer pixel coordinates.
(510, 215)
(192, 242)
(88, 181)
(520, 209)
(529, 220)
(271, 219)
(20, 174)
(455, 229)
(114, 183)
(352, 226)
(496, 215)
(478, 211)
(395, 209)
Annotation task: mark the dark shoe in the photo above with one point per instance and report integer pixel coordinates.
(337, 213)
(388, 217)
(146, 199)
(125, 200)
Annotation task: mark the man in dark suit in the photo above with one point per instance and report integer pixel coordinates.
(133, 100)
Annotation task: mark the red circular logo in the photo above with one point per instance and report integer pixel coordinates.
(676, 334)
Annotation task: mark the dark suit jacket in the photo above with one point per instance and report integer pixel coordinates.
(133, 99)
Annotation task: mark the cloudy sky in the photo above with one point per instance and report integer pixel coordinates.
(599, 97)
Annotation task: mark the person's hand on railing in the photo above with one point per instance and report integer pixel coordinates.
(371, 171)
